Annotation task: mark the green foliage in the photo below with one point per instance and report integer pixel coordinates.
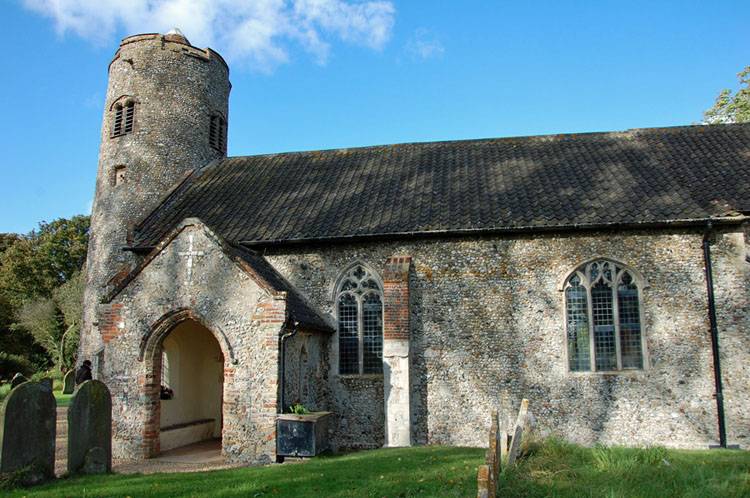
(557, 468)
(10, 364)
(7, 240)
(35, 264)
(731, 107)
(26, 476)
(4, 391)
(41, 289)
(298, 409)
(426, 471)
(55, 322)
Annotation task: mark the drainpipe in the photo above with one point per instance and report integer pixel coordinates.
(714, 336)
(283, 340)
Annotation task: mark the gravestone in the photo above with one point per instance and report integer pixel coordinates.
(27, 433)
(90, 429)
(515, 442)
(17, 380)
(69, 382)
(47, 382)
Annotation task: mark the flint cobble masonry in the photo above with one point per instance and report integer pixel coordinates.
(494, 307)
(471, 323)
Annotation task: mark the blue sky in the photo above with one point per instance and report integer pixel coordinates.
(341, 73)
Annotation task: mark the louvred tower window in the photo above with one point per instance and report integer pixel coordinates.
(124, 118)
(217, 133)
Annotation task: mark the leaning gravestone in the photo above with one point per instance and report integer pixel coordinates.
(90, 429)
(17, 380)
(69, 382)
(27, 433)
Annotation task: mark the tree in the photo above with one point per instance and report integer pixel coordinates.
(731, 107)
(69, 300)
(55, 322)
(41, 290)
(46, 258)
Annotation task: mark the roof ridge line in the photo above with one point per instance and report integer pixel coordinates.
(626, 131)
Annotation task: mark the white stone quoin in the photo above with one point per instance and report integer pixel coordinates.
(396, 383)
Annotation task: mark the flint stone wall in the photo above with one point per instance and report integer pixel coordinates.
(488, 329)
(306, 369)
(90, 429)
(27, 431)
(176, 88)
(227, 301)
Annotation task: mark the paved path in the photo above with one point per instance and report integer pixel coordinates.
(61, 443)
(197, 457)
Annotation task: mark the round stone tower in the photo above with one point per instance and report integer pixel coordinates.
(165, 115)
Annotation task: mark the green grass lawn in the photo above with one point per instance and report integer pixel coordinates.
(562, 470)
(422, 471)
(550, 469)
(62, 399)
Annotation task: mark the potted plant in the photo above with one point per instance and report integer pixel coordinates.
(302, 433)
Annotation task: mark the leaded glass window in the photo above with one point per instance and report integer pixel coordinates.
(603, 318)
(359, 305)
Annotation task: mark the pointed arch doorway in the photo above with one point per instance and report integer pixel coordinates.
(187, 365)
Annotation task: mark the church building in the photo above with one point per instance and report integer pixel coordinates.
(409, 289)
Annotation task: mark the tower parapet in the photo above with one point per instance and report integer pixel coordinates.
(165, 115)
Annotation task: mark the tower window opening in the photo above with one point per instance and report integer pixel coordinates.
(119, 176)
(124, 119)
(129, 115)
(217, 133)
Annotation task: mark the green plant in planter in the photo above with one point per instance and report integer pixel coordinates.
(298, 409)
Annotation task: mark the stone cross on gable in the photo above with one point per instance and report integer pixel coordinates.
(190, 254)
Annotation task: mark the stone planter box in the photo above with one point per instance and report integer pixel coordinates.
(302, 435)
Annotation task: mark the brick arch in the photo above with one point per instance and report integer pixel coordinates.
(151, 341)
(150, 349)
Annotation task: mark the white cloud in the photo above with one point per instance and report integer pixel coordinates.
(259, 32)
(423, 44)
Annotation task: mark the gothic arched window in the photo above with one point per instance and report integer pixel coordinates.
(359, 308)
(603, 315)
(124, 118)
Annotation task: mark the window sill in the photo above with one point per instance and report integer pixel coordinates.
(610, 373)
(372, 377)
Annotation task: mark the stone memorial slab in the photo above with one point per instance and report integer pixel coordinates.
(27, 432)
(69, 382)
(515, 443)
(90, 429)
(17, 380)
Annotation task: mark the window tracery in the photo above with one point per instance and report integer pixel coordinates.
(603, 318)
(359, 306)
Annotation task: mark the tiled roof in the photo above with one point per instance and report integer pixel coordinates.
(299, 309)
(642, 176)
(265, 275)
